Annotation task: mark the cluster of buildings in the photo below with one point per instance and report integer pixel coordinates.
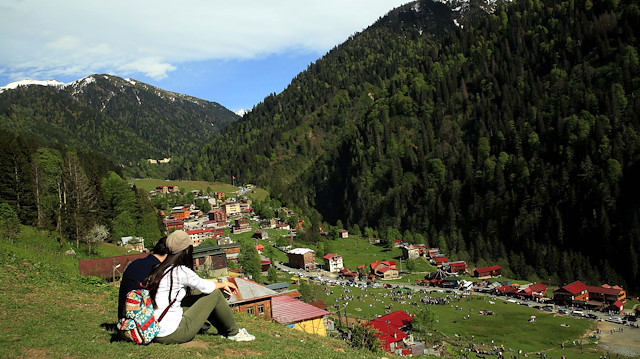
(603, 298)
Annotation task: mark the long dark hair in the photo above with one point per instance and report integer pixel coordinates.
(183, 258)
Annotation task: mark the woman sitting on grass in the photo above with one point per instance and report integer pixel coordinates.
(170, 283)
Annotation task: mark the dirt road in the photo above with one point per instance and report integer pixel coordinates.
(624, 342)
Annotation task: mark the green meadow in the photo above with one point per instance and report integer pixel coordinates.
(150, 184)
(47, 310)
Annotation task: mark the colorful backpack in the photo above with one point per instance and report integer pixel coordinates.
(139, 325)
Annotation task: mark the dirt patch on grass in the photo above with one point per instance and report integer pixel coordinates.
(239, 353)
(624, 342)
(196, 344)
(35, 353)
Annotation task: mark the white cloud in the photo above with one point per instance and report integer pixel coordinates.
(54, 38)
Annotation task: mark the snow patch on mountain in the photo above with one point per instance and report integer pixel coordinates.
(30, 82)
(241, 112)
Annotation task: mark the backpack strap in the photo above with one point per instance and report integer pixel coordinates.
(170, 304)
(167, 309)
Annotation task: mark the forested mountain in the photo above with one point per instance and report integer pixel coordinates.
(512, 138)
(74, 193)
(126, 120)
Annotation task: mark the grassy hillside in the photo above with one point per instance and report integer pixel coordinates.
(150, 184)
(48, 311)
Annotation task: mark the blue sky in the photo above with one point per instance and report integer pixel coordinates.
(234, 53)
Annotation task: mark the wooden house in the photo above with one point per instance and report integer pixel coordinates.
(456, 267)
(251, 297)
(209, 257)
(384, 269)
(242, 225)
(439, 261)
(574, 293)
(605, 295)
(302, 258)
(492, 271)
(218, 215)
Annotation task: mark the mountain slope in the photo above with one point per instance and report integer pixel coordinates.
(512, 139)
(123, 118)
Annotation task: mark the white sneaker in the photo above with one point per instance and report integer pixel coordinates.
(242, 336)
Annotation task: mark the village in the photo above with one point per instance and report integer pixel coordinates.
(372, 294)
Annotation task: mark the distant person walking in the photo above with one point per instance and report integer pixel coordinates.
(171, 282)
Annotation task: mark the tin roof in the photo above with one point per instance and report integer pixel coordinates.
(575, 287)
(248, 290)
(300, 251)
(488, 269)
(286, 310)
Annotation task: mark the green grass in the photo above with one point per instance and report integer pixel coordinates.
(111, 250)
(509, 327)
(355, 252)
(48, 311)
(150, 184)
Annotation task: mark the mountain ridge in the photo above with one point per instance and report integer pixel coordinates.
(126, 119)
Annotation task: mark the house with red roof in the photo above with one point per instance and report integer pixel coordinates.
(433, 252)
(259, 248)
(392, 332)
(333, 262)
(384, 269)
(574, 293)
(607, 298)
(299, 315)
(347, 274)
(492, 271)
(536, 290)
(199, 235)
(343, 233)
(506, 290)
(456, 267)
(265, 265)
(173, 224)
(439, 261)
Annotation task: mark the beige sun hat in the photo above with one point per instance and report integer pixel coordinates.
(178, 241)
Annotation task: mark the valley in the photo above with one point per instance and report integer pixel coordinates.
(457, 179)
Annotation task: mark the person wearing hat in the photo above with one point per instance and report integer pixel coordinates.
(171, 282)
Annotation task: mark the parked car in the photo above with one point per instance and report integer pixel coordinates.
(615, 320)
(577, 313)
(563, 311)
(592, 316)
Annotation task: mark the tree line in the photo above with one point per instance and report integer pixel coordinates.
(81, 196)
